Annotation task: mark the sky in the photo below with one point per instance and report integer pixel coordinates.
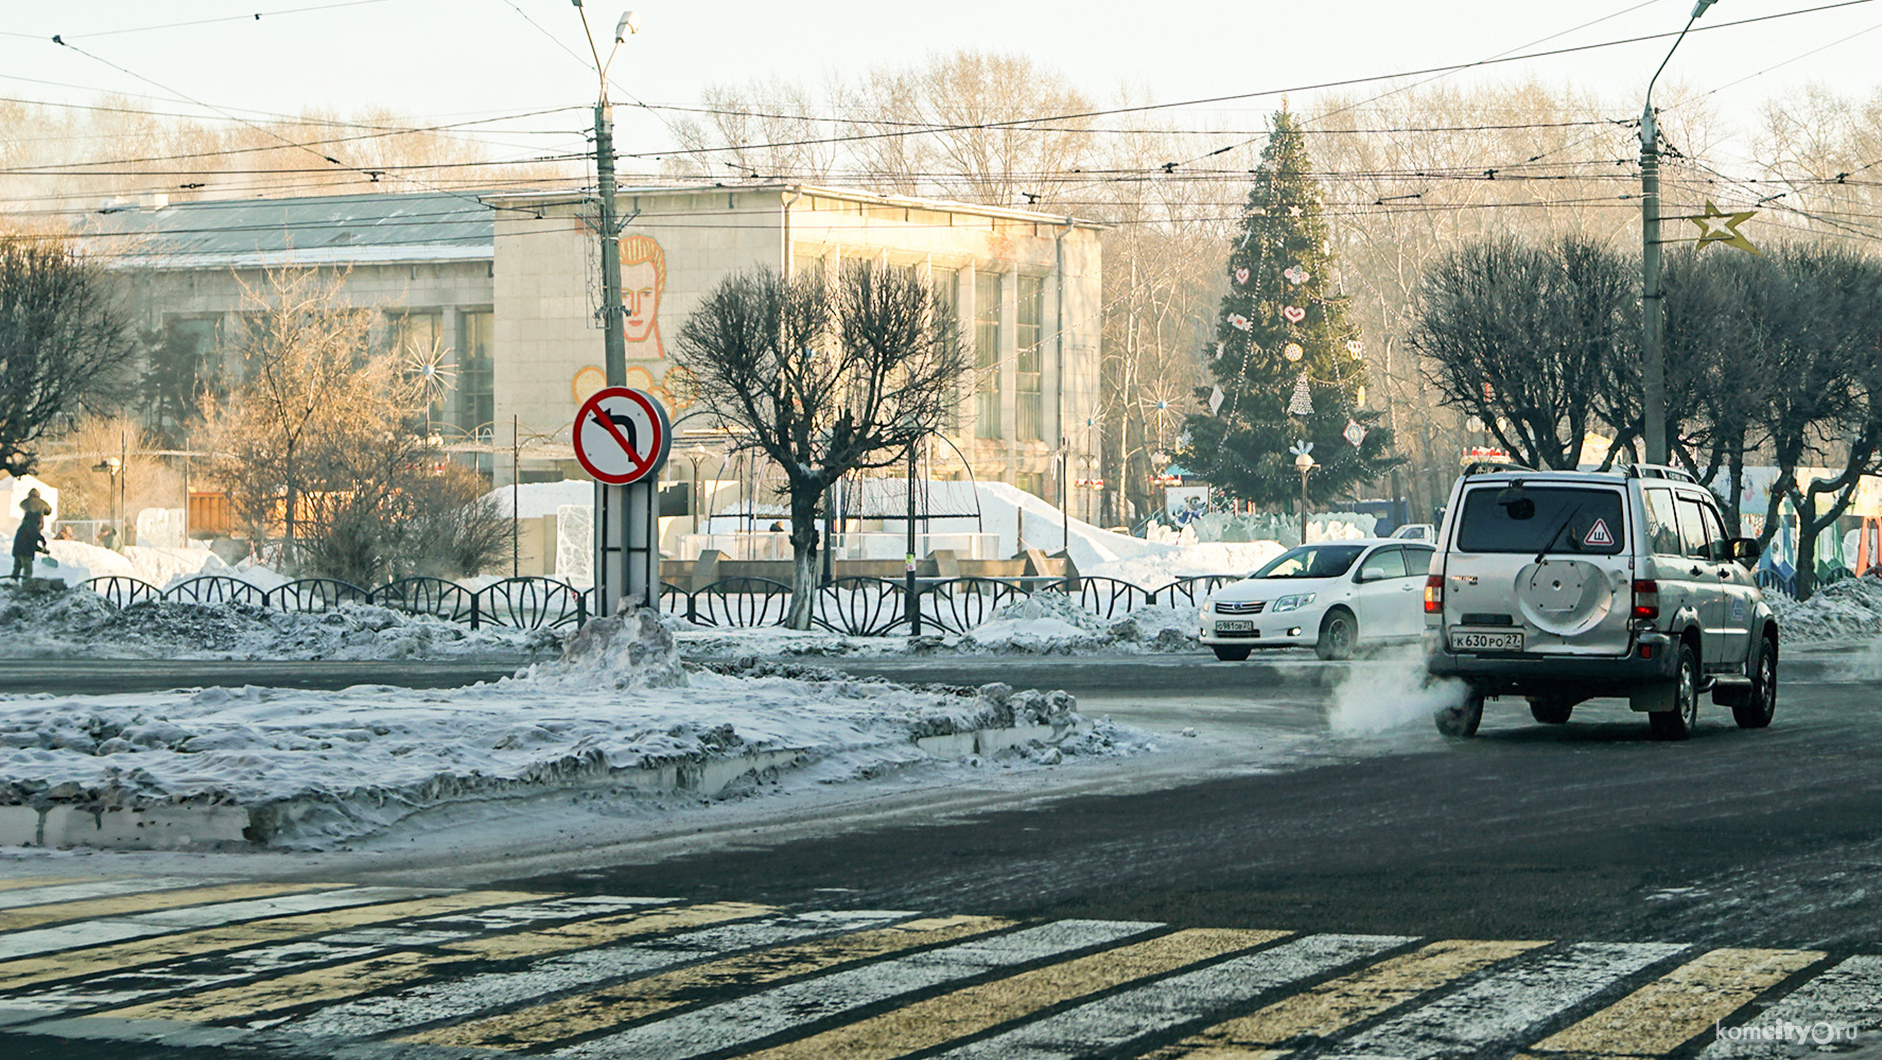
(467, 59)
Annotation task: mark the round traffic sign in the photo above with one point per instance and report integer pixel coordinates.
(621, 435)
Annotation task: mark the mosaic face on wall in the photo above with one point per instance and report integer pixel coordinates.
(643, 279)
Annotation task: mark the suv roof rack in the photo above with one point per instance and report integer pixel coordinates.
(1491, 467)
(1658, 471)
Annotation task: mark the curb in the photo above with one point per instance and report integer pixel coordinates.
(183, 827)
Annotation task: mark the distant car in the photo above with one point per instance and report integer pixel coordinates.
(1416, 532)
(1334, 596)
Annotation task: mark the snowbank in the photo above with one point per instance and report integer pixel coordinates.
(313, 769)
(534, 500)
(1850, 610)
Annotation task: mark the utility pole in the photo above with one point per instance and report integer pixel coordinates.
(619, 519)
(1652, 333)
(616, 341)
(1652, 299)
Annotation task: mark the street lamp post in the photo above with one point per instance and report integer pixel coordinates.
(626, 520)
(616, 338)
(1303, 464)
(1652, 350)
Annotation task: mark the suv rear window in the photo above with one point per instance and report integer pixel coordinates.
(1535, 519)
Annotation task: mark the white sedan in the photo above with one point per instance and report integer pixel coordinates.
(1334, 596)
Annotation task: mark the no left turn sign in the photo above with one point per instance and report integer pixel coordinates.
(622, 435)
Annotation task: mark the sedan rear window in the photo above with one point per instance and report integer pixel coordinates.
(1539, 519)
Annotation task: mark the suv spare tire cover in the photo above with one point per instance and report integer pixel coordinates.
(1566, 596)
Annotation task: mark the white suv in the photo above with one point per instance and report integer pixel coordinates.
(1560, 586)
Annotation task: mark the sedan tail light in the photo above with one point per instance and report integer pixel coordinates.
(1646, 599)
(1434, 594)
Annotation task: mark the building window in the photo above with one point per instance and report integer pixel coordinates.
(947, 304)
(986, 355)
(184, 366)
(476, 390)
(1029, 395)
(417, 340)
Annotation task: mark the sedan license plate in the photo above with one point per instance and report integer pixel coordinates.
(1233, 625)
(1487, 641)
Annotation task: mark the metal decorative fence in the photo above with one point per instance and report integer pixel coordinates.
(861, 607)
(513, 603)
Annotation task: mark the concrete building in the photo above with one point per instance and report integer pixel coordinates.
(501, 292)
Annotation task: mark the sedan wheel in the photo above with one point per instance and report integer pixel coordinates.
(1339, 631)
(1230, 654)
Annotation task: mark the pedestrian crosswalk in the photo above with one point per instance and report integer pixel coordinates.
(319, 970)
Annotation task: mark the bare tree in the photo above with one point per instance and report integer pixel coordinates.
(1526, 337)
(824, 381)
(63, 339)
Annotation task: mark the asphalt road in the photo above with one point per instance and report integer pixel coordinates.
(1569, 890)
(1589, 830)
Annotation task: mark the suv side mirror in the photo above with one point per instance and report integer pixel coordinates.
(1745, 550)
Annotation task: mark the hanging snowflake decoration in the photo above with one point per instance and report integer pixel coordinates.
(1354, 433)
(431, 371)
(1302, 402)
(1293, 352)
(1296, 275)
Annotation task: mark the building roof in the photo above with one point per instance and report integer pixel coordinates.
(317, 230)
(572, 196)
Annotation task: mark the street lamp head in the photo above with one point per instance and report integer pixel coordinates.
(1700, 7)
(630, 25)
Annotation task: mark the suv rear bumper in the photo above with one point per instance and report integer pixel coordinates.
(1530, 674)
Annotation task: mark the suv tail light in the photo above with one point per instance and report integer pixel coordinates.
(1646, 599)
(1434, 594)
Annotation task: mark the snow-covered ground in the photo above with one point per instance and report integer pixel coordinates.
(620, 713)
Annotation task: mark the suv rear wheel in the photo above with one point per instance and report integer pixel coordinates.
(1678, 723)
(1550, 710)
(1755, 712)
(1462, 720)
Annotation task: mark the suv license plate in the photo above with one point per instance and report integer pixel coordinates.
(1234, 625)
(1487, 641)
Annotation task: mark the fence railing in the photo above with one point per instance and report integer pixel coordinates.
(861, 607)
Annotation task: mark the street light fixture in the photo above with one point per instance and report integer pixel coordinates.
(615, 336)
(1303, 464)
(1652, 351)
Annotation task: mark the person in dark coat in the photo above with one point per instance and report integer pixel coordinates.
(27, 541)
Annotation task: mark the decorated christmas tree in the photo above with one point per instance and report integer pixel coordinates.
(1289, 367)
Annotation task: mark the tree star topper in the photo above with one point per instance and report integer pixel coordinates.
(1716, 226)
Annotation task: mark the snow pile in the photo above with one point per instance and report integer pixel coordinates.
(78, 623)
(79, 561)
(1161, 565)
(619, 717)
(1849, 610)
(534, 500)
